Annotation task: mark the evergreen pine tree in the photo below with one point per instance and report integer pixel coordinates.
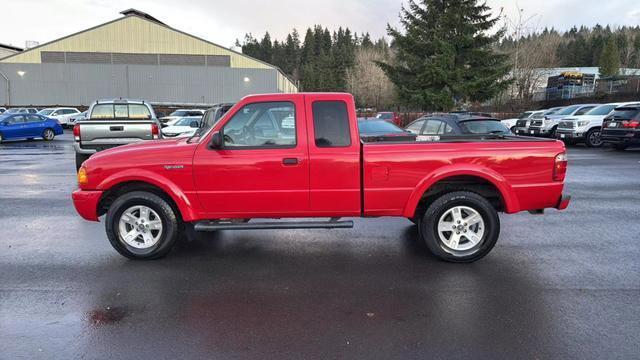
(446, 55)
(610, 59)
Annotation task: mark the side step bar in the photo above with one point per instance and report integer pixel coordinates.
(210, 225)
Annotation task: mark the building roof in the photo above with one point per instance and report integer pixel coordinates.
(142, 15)
(10, 47)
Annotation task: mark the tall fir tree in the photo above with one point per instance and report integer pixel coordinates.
(446, 55)
(610, 59)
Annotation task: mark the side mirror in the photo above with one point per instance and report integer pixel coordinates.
(217, 140)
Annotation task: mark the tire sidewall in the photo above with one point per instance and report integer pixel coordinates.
(588, 139)
(53, 135)
(164, 211)
(429, 225)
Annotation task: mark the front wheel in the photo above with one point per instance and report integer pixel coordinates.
(593, 139)
(142, 225)
(48, 135)
(460, 227)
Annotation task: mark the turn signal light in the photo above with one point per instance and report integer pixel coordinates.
(155, 131)
(83, 179)
(560, 167)
(76, 132)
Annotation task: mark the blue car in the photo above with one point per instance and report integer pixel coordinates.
(28, 126)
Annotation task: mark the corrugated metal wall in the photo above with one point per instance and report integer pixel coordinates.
(81, 84)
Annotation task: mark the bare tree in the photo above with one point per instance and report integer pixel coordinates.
(368, 82)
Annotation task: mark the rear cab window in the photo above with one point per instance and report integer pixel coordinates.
(120, 111)
(331, 124)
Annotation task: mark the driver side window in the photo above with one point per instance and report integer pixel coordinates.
(262, 125)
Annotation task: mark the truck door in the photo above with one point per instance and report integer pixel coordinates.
(334, 155)
(263, 168)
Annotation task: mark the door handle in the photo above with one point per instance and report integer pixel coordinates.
(290, 161)
(116, 128)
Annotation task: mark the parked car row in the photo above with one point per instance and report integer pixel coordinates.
(593, 124)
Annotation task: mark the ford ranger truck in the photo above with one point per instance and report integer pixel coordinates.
(296, 161)
(112, 123)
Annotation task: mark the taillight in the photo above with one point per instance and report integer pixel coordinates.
(560, 167)
(632, 124)
(155, 131)
(76, 132)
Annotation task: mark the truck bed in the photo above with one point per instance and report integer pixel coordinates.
(521, 167)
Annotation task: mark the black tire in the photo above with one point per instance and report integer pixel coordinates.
(593, 139)
(438, 208)
(167, 215)
(620, 147)
(81, 158)
(552, 133)
(1, 138)
(48, 134)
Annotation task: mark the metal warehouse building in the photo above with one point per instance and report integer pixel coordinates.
(135, 56)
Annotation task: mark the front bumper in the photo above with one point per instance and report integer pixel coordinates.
(86, 203)
(569, 134)
(536, 131)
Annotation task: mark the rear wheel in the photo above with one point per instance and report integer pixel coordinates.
(460, 226)
(81, 158)
(48, 134)
(142, 225)
(593, 139)
(1, 138)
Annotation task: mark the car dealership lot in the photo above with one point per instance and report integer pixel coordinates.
(562, 285)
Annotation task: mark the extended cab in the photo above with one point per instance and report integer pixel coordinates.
(112, 123)
(300, 156)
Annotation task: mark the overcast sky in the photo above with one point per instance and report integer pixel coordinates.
(224, 21)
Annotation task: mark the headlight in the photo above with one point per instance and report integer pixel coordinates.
(83, 179)
(582, 123)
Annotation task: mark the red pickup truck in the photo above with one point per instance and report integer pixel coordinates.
(299, 157)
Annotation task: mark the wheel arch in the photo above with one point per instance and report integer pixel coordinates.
(483, 181)
(158, 185)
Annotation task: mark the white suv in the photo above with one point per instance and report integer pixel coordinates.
(62, 115)
(587, 127)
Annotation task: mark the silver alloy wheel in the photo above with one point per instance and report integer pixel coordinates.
(460, 229)
(140, 227)
(48, 134)
(595, 139)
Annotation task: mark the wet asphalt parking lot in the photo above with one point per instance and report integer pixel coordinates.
(558, 286)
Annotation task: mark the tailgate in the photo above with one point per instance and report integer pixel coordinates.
(115, 132)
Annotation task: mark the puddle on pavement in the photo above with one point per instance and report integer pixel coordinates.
(108, 315)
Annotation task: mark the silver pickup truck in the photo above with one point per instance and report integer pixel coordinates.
(111, 123)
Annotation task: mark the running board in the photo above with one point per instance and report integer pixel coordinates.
(228, 225)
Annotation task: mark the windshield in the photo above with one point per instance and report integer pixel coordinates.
(45, 112)
(377, 126)
(568, 110)
(187, 121)
(601, 110)
(483, 127)
(525, 115)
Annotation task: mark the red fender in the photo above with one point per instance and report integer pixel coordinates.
(510, 200)
(182, 201)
